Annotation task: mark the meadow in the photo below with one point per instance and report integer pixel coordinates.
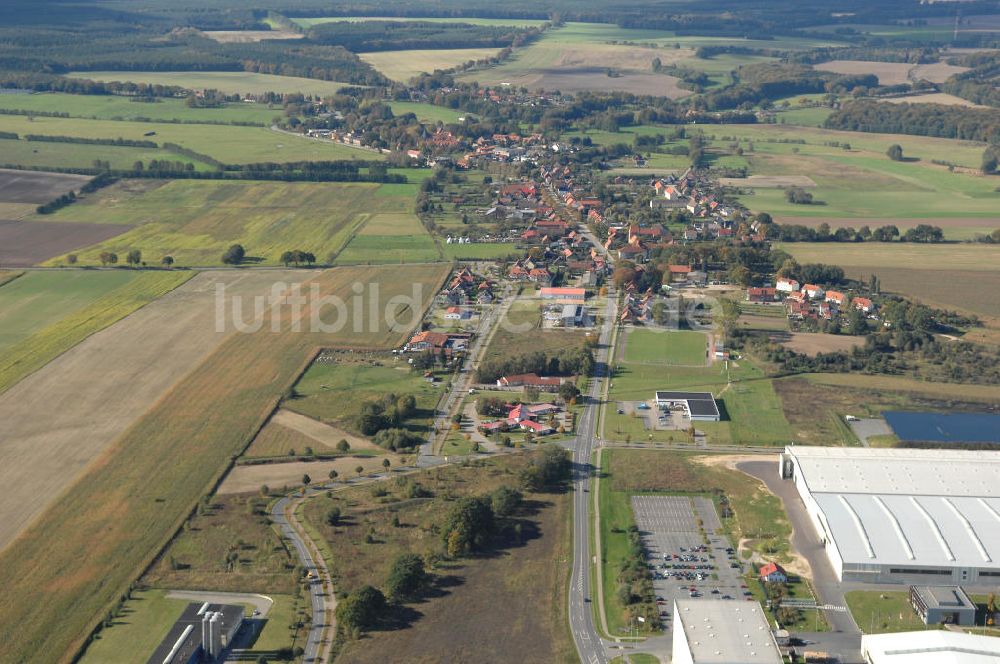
(149, 481)
(32, 154)
(404, 65)
(392, 234)
(659, 347)
(38, 299)
(229, 144)
(45, 314)
(512, 599)
(949, 276)
(229, 82)
(196, 221)
(426, 112)
(114, 107)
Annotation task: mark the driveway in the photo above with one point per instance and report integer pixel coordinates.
(827, 587)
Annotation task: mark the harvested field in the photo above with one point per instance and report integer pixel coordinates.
(889, 73)
(288, 431)
(769, 181)
(938, 72)
(942, 98)
(814, 343)
(404, 65)
(248, 479)
(63, 416)
(36, 187)
(249, 36)
(137, 494)
(27, 243)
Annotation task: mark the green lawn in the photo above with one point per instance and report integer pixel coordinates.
(881, 612)
(666, 347)
(479, 251)
(194, 221)
(396, 236)
(135, 634)
(226, 143)
(335, 391)
(38, 299)
(230, 82)
(114, 107)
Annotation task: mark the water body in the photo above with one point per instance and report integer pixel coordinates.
(945, 427)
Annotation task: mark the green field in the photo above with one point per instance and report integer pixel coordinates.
(335, 391)
(113, 107)
(751, 410)
(38, 299)
(882, 612)
(514, 22)
(479, 251)
(230, 82)
(227, 143)
(666, 347)
(148, 616)
(50, 332)
(195, 221)
(71, 155)
(426, 112)
(393, 234)
(404, 65)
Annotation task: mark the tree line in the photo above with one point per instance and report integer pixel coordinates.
(968, 124)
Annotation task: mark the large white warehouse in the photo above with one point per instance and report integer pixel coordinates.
(902, 515)
(930, 647)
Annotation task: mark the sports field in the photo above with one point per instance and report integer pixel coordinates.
(404, 65)
(950, 276)
(195, 221)
(230, 82)
(150, 478)
(113, 107)
(666, 347)
(227, 143)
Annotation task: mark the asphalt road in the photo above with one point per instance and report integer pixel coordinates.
(589, 644)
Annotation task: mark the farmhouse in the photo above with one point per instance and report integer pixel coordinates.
(720, 632)
(201, 634)
(863, 304)
(762, 294)
(835, 297)
(698, 406)
(902, 515)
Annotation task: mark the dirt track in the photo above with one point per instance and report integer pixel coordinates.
(59, 419)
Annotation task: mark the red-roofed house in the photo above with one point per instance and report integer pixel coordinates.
(564, 295)
(864, 304)
(813, 291)
(547, 383)
(836, 297)
(763, 294)
(773, 573)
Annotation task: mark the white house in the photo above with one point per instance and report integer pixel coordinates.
(787, 285)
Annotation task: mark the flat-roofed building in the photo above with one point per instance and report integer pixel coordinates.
(930, 647)
(948, 605)
(698, 406)
(914, 516)
(203, 633)
(717, 631)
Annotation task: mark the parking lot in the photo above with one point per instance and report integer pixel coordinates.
(685, 563)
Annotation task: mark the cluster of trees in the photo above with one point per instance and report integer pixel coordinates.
(389, 411)
(977, 85)
(812, 273)
(397, 439)
(57, 203)
(234, 255)
(912, 54)
(799, 196)
(368, 36)
(297, 257)
(763, 82)
(635, 583)
(549, 466)
(969, 124)
(823, 233)
(567, 362)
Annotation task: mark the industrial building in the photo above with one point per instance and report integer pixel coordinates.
(698, 406)
(948, 605)
(930, 647)
(717, 631)
(200, 635)
(910, 516)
